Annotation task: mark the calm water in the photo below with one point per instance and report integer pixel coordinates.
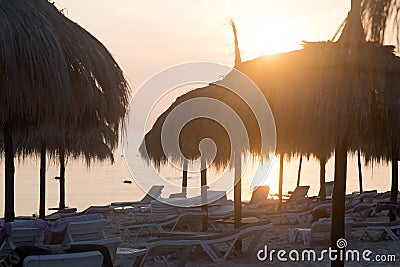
(103, 183)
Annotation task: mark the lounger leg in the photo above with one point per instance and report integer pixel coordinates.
(367, 234)
(299, 219)
(291, 235)
(211, 252)
(230, 249)
(391, 234)
(306, 238)
(184, 256)
(253, 243)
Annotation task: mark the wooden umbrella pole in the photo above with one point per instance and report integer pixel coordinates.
(238, 196)
(338, 199)
(395, 180)
(204, 193)
(299, 171)
(42, 193)
(280, 182)
(184, 177)
(322, 171)
(9, 214)
(360, 179)
(62, 180)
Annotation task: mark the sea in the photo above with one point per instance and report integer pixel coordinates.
(103, 183)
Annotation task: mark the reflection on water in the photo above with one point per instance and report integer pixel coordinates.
(104, 183)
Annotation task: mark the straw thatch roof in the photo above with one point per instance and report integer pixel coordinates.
(58, 85)
(201, 128)
(59, 82)
(328, 92)
(55, 75)
(381, 19)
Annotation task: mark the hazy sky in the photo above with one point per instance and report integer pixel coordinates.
(148, 36)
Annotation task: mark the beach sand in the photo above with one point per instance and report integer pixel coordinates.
(275, 238)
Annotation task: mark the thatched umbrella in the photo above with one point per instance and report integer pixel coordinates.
(55, 76)
(94, 144)
(324, 98)
(381, 21)
(340, 96)
(213, 123)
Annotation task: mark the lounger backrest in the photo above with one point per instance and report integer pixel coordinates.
(87, 259)
(85, 231)
(260, 193)
(323, 226)
(103, 210)
(24, 237)
(299, 193)
(329, 189)
(254, 230)
(161, 211)
(154, 192)
(367, 195)
(163, 248)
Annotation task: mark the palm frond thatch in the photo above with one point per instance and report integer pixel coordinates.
(58, 84)
(328, 91)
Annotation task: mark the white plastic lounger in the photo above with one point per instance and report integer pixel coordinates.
(154, 192)
(211, 243)
(361, 211)
(319, 229)
(87, 259)
(184, 221)
(386, 228)
(91, 232)
(162, 249)
(20, 237)
(302, 217)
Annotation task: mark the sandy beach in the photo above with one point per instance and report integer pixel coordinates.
(202, 113)
(276, 238)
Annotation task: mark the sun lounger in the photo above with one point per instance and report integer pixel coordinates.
(386, 228)
(259, 194)
(212, 243)
(87, 259)
(381, 197)
(328, 190)
(161, 250)
(302, 217)
(299, 194)
(184, 221)
(161, 210)
(19, 237)
(103, 210)
(37, 253)
(367, 196)
(91, 232)
(154, 193)
(319, 230)
(213, 197)
(361, 211)
(390, 206)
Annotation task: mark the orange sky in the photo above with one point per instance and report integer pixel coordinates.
(148, 36)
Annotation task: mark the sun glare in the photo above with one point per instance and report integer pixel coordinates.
(269, 36)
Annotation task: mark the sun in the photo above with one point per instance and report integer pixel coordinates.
(266, 36)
